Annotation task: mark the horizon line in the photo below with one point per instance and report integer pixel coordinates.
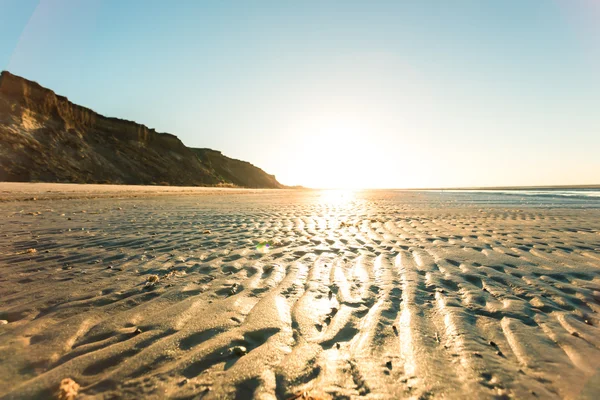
(524, 187)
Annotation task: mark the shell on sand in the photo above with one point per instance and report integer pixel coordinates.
(68, 389)
(311, 395)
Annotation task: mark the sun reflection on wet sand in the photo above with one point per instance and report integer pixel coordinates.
(333, 206)
(337, 196)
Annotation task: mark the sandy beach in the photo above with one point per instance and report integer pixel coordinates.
(152, 292)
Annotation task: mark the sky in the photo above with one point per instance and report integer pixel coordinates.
(348, 94)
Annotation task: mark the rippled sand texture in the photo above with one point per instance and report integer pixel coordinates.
(378, 294)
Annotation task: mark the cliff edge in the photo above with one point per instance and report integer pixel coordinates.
(45, 137)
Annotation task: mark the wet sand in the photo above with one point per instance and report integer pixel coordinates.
(278, 293)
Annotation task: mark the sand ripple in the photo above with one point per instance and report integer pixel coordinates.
(271, 294)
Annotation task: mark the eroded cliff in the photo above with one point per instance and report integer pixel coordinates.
(45, 137)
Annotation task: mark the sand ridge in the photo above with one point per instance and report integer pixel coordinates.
(334, 294)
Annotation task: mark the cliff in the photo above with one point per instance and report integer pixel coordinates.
(239, 173)
(45, 137)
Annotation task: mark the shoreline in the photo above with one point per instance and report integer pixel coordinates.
(40, 191)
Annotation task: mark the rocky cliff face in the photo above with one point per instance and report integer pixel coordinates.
(45, 137)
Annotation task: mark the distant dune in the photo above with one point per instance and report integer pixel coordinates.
(45, 137)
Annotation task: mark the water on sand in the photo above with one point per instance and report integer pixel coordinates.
(271, 294)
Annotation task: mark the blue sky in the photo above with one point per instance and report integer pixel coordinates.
(337, 93)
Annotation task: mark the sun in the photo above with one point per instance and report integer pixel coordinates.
(338, 156)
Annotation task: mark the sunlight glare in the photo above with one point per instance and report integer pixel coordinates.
(337, 196)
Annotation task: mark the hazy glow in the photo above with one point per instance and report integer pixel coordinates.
(336, 196)
(337, 157)
(343, 94)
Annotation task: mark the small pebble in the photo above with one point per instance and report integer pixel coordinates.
(493, 344)
(388, 365)
(238, 351)
(268, 268)
(137, 331)
(234, 289)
